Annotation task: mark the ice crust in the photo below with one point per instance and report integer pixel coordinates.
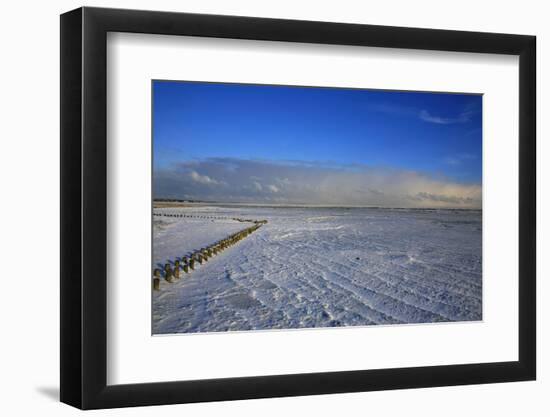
(319, 267)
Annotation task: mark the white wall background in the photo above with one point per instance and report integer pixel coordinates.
(29, 233)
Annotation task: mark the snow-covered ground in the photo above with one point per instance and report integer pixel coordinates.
(176, 237)
(319, 267)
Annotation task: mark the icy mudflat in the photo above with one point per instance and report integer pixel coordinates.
(319, 267)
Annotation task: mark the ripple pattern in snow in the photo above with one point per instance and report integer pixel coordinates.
(320, 267)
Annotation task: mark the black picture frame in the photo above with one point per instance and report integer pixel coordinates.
(84, 207)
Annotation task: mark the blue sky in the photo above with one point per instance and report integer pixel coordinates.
(344, 133)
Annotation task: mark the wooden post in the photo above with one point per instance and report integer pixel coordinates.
(156, 280)
(177, 269)
(168, 273)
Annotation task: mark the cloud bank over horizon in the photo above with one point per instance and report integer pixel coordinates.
(315, 183)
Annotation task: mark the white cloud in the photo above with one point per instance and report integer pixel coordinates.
(258, 186)
(294, 183)
(464, 117)
(203, 179)
(461, 118)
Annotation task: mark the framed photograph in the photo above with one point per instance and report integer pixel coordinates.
(257, 208)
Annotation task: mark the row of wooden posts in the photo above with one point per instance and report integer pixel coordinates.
(188, 263)
(209, 217)
(190, 215)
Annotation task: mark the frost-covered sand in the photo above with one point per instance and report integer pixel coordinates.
(319, 267)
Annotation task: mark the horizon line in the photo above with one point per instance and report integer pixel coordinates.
(305, 205)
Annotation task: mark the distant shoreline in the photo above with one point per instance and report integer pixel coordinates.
(166, 203)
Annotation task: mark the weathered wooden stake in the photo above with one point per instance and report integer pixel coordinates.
(177, 269)
(168, 273)
(156, 279)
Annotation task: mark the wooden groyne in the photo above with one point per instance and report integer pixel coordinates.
(186, 264)
(193, 216)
